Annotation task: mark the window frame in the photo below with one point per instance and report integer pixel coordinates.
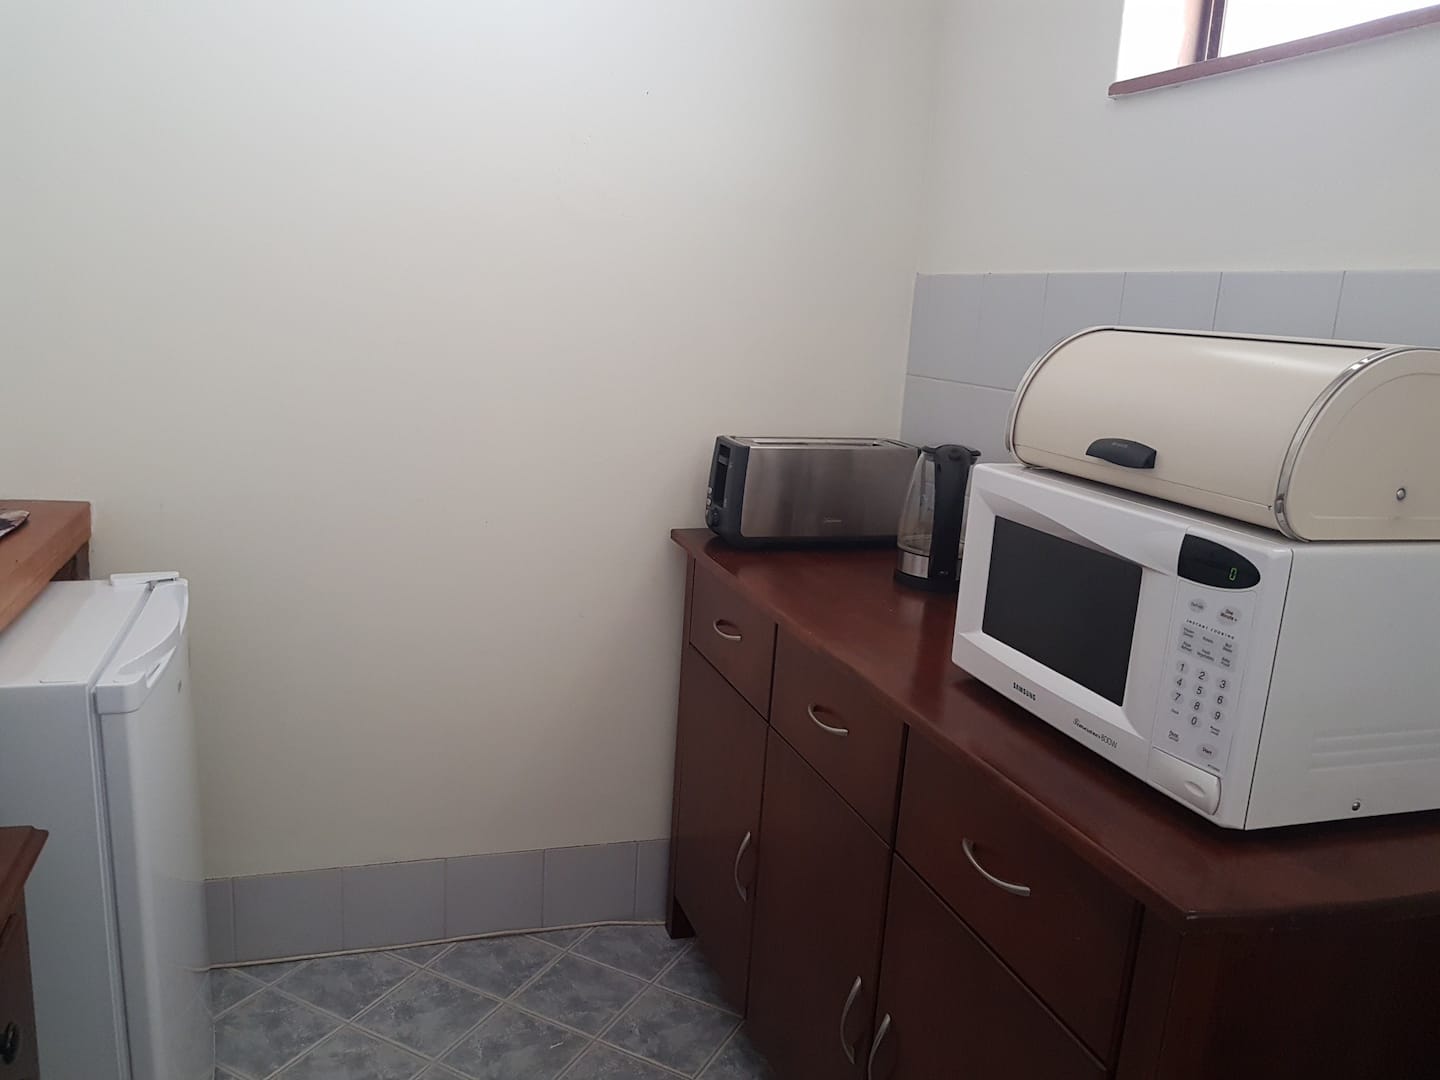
(1206, 21)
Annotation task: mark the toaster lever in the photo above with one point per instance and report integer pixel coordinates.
(1124, 452)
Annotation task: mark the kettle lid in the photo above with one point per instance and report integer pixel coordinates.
(953, 451)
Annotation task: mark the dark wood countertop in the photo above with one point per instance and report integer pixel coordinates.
(845, 602)
(34, 553)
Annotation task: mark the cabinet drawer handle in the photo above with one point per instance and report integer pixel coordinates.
(735, 873)
(880, 1033)
(1009, 886)
(733, 634)
(845, 1015)
(827, 728)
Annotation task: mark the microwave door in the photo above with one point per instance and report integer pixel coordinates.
(1060, 611)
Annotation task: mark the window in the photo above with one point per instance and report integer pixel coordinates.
(1168, 41)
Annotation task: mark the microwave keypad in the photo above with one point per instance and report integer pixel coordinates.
(1203, 681)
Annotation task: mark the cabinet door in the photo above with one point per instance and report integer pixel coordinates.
(948, 1007)
(721, 751)
(18, 1053)
(820, 908)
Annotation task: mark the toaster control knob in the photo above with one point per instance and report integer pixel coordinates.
(712, 518)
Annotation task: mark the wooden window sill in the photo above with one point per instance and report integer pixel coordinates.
(1286, 50)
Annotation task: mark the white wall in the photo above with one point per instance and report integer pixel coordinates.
(403, 330)
(1326, 161)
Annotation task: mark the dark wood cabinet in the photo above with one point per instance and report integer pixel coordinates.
(721, 748)
(819, 913)
(19, 1056)
(1064, 929)
(949, 1007)
(1046, 916)
(852, 738)
(735, 636)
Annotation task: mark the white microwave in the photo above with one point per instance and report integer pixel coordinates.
(1256, 680)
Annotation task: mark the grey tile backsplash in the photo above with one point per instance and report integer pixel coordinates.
(973, 335)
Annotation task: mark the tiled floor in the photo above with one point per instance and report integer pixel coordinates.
(612, 1003)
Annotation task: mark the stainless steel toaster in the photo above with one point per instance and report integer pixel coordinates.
(778, 490)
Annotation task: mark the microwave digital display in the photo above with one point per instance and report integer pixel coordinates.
(1069, 607)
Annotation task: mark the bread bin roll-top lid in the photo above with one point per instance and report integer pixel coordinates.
(1322, 440)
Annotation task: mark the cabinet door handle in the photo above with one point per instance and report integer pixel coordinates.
(880, 1033)
(733, 634)
(9, 1044)
(1009, 886)
(735, 873)
(849, 1050)
(827, 728)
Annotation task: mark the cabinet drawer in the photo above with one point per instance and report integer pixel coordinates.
(17, 1010)
(1058, 924)
(735, 636)
(850, 737)
(948, 1008)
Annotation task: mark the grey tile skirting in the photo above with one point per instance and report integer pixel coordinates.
(271, 916)
(972, 336)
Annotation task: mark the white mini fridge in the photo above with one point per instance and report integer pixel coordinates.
(97, 745)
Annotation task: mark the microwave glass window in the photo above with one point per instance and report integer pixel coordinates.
(1069, 607)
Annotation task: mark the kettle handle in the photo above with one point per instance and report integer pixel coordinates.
(952, 476)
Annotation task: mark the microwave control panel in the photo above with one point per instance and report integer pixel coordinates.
(1205, 662)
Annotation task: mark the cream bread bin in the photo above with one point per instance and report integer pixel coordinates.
(1322, 440)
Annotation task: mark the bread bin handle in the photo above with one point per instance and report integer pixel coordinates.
(1126, 453)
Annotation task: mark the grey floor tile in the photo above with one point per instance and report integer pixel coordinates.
(346, 984)
(270, 973)
(221, 1074)
(259, 1035)
(672, 1030)
(602, 1063)
(690, 975)
(640, 950)
(562, 939)
(580, 994)
(739, 1060)
(426, 1014)
(353, 1055)
(420, 954)
(440, 1072)
(510, 1044)
(229, 986)
(499, 966)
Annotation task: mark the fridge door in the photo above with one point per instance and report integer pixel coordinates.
(147, 731)
(51, 776)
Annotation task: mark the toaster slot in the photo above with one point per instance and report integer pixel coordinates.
(719, 468)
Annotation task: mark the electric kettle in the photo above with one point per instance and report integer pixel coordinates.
(932, 521)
